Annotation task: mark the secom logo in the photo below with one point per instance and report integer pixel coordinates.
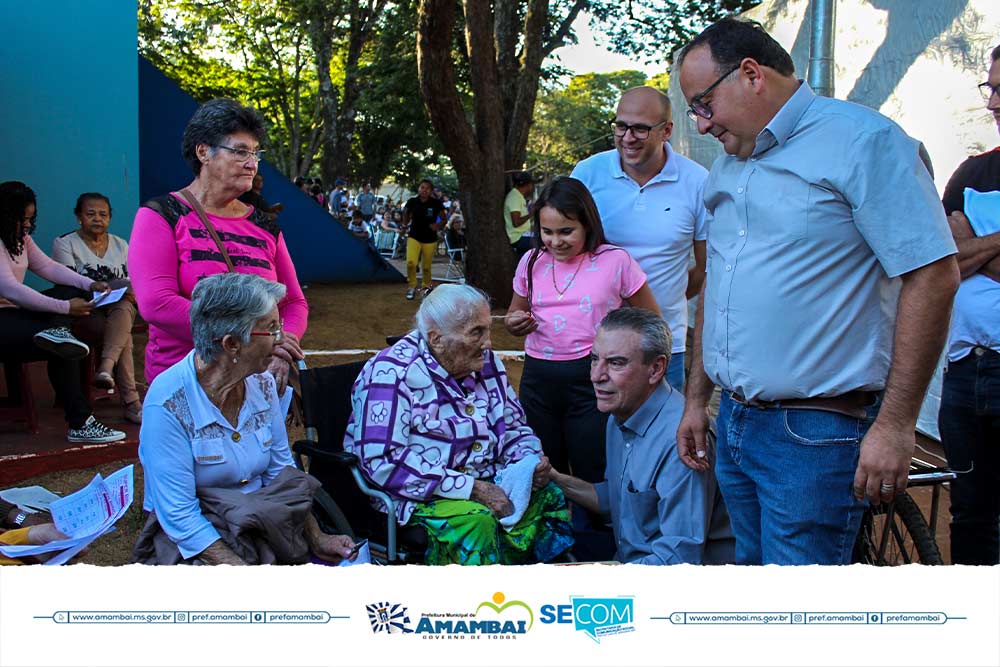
(597, 617)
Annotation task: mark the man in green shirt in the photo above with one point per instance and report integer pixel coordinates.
(515, 213)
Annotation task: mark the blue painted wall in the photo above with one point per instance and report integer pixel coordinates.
(69, 109)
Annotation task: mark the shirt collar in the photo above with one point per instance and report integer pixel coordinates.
(203, 411)
(643, 418)
(781, 127)
(669, 172)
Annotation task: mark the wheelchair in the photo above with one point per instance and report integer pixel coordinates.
(344, 504)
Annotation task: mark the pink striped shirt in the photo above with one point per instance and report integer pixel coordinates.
(167, 260)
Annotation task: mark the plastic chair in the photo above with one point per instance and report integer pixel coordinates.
(456, 262)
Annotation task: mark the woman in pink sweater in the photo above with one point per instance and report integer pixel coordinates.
(31, 320)
(171, 248)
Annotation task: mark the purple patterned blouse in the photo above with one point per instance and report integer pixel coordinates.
(421, 434)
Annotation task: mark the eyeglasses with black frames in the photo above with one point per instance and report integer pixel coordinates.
(988, 90)
(639, 130)
(700, 109)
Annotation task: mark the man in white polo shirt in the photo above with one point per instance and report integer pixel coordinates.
(650, 201)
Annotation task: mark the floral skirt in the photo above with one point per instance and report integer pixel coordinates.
(467, 533)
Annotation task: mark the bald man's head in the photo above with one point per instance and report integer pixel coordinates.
(648, 97)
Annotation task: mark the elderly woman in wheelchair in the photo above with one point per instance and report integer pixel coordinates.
(437, 426)
(219, 477)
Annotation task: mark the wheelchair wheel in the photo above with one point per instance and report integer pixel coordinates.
(907, 537)
(329, 515)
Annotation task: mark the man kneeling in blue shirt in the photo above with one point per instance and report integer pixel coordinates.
(662, 512)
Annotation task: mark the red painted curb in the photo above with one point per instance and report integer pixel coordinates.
(16, 469)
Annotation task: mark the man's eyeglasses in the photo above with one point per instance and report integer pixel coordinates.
(639, 131)
(989, 90)
(277, 334)
(242, 154)
(697, 108)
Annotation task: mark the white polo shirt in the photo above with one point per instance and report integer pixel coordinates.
(657, 223)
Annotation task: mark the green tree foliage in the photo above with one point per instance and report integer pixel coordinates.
(652, 29)
(571, 122)
(249, 50)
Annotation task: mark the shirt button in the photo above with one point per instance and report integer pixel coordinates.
(722, 309)
(739, 190)
(743, 232)
(477, 447)
(729, 267)
(627, 445)
(236, 436)
(470, 410)
(244, 482)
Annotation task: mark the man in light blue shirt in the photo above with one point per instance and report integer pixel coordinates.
(831, 274)
(662, 512)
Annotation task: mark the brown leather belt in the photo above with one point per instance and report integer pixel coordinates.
(851, 404)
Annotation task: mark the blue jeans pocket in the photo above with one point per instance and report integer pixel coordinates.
(819, 427)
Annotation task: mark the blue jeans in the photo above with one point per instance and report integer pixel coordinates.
(786, 476)
(970, 432)
(675, 371)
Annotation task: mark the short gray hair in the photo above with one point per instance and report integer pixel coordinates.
(229, 304)
(447, 307)
(654, 333)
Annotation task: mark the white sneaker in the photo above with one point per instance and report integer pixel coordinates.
(95, 432)
(60, 342)
(410, 293)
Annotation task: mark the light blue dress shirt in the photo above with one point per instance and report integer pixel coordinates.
(806, 240)
(662, 512)
(186, 444)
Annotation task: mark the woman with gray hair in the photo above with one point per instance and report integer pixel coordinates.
(214, 432)
(437, 425)
(204, 229)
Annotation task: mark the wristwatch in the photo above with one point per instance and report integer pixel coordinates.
(19, 519)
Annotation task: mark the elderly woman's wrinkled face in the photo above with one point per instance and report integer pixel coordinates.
(461, 350)
(263, 338)
(227, 168)
(94, 217)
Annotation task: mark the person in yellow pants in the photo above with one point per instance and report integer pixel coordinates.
(423, 216)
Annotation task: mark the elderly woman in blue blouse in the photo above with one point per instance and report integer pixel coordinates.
(437, 425)
(213, 443)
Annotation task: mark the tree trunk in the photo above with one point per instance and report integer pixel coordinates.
(321, 37)
(476, 151)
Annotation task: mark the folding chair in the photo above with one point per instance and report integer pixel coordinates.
(326, 403)
(456, 262)
(385, 243)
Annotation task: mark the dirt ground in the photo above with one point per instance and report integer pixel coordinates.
(342, 317)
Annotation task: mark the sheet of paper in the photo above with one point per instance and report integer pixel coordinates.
(95, 506)
(104, 299)
(364, 557)
(29, 498)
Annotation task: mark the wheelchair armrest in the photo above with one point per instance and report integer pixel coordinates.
(310, 448)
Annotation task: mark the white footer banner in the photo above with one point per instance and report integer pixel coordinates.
(551, 615)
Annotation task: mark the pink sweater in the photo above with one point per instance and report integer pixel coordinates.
(13, 291)
(167, 260)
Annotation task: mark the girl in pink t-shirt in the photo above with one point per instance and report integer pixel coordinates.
(563, 288)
